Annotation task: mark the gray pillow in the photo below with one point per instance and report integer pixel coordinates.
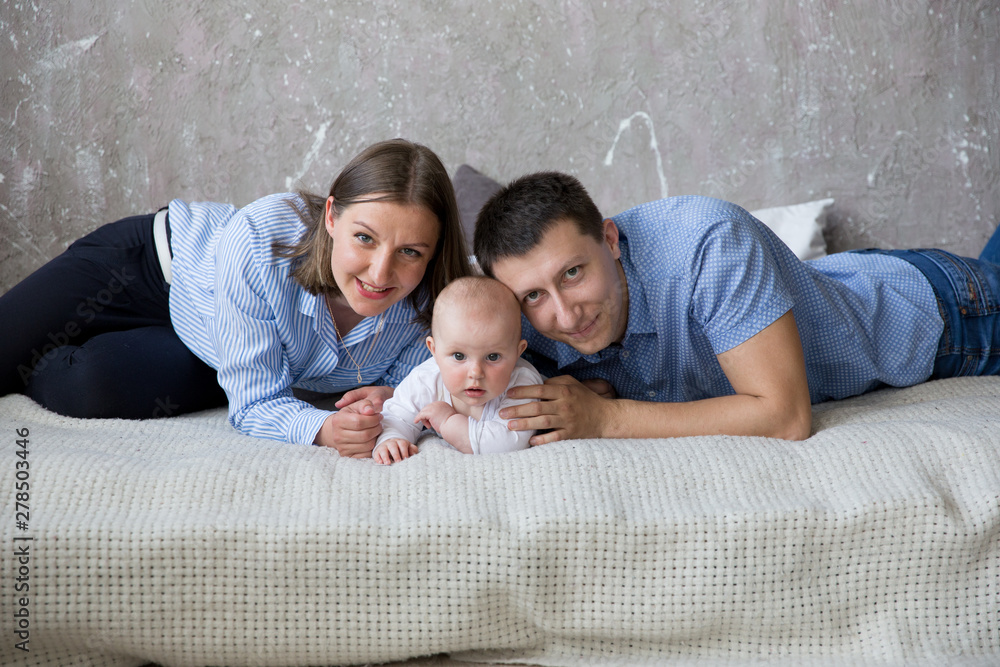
(472, 189)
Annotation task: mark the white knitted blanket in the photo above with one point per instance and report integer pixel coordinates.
(178, 541)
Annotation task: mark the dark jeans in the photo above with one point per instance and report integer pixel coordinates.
(968, 296)
(89, 333)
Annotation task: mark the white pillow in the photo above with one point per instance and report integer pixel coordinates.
(800, 226)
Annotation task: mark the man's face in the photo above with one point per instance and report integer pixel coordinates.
(571, 287)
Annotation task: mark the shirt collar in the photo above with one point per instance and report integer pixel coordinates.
(639, 319)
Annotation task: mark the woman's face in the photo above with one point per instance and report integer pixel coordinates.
(381, 250)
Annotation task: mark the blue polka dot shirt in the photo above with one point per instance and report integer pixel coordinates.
(704, 276)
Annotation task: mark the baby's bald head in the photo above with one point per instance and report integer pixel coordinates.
(477, 300)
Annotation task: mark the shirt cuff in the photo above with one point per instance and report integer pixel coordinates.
(306, 424)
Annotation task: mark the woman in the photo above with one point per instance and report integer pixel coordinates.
(150, 315)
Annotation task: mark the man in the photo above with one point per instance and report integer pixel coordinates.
(702, 321)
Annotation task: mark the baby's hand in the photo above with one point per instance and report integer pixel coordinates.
(434, 415)
(393, 450)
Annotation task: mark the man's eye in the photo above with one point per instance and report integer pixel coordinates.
(531, 296)
(573, 273)
(458, 356)
(493, 356)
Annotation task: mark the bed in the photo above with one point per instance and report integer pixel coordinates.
(181, 542)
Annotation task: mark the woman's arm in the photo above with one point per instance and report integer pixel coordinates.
(253, 366)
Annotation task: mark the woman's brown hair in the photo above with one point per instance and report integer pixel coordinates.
(397, 171)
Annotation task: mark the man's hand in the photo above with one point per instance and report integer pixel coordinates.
(434, 415)
(374, 395)
(352, 431)
(393, 450)
(600, 387)
(565, 405)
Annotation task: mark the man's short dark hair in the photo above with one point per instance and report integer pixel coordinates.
(513, 221)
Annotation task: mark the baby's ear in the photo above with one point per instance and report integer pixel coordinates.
(430, 343)
(521, 347)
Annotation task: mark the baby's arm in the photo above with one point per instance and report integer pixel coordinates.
(493, 437)
(449, 424)
(489, 436)
(399, 431)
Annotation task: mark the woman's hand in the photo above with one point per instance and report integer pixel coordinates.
(352, 431)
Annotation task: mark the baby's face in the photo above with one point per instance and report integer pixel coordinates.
(476, 352)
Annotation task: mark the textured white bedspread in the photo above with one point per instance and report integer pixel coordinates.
(178, 541)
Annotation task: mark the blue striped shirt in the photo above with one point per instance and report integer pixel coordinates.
(234, 304)
(704, 276)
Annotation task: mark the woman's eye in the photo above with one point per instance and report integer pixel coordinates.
(458, 356)
(364, 238)
(410, 252)
(493, 356)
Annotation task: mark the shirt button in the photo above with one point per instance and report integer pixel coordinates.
(651, 394)
(625, 354)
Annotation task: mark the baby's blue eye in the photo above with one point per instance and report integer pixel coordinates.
(458, 356)
(493, 356)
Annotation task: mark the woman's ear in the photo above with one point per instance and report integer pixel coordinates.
(330, 217)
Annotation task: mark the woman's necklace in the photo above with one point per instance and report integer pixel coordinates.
(371, 345)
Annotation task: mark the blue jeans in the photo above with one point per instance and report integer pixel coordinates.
(968, 296)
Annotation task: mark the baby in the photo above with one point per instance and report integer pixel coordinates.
(476, 346)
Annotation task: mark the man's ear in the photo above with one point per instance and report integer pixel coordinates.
(611, 237)
(430, 343)
(521, 347)
(330, 217)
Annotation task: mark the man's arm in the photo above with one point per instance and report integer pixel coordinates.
(767, 372)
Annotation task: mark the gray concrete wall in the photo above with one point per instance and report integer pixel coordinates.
(112, 107)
